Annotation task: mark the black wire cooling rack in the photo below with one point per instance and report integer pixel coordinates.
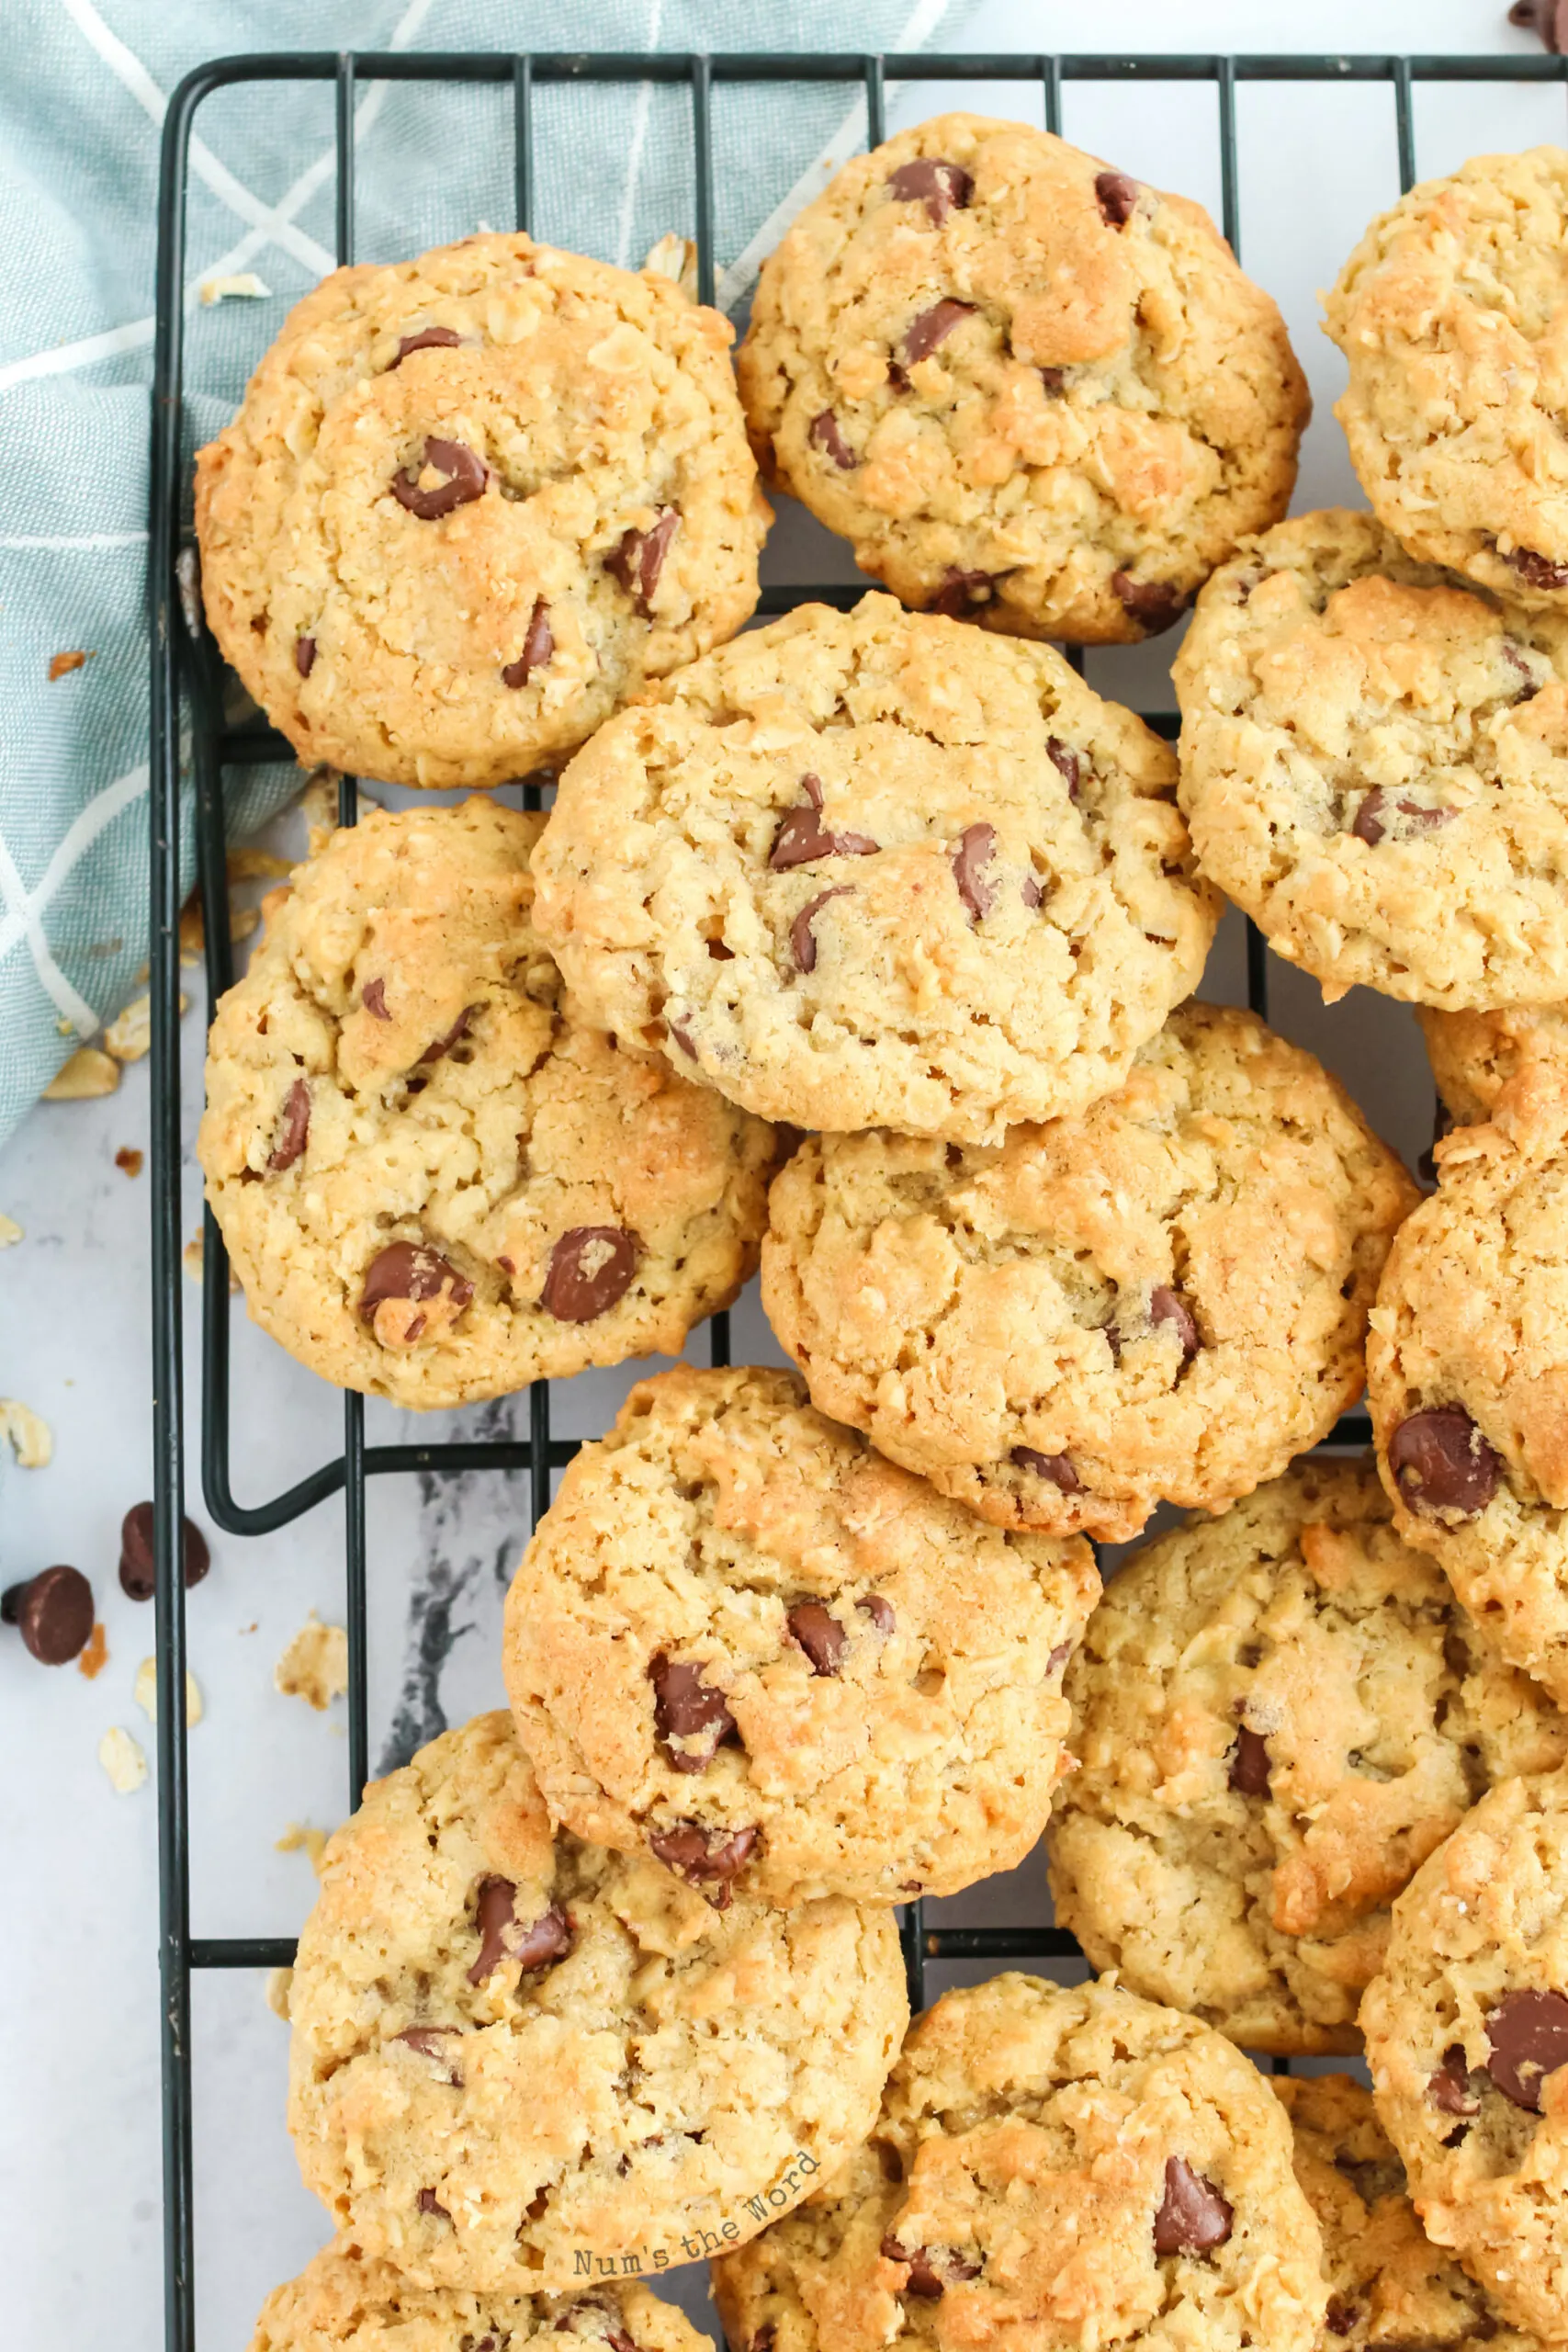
(187, 691)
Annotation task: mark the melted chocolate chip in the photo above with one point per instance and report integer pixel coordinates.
(1380, 809)
(427, 339)
(1341, 2315)
(1056, 1469)
(455, 1035)
(963, 592)
(703, 1857)
(688, 1709)
(406, 1270)
(1527, 2032)
(591, 1270)
(1194, 2217)
(1058, 1657)
(428, 2202)
(765, 2338)
(52, 1613)
(1117, 196)
(682, 1036)
(1167, 1306)
(304, 655)
(942, 187)
(494, 1915)
(1515, 659)
(466, 478)
(1547, 17)
(1065, 762)
(549, 1938)
(925, 2279)
(638, 558)
(373, 997)
(1054, 380)
(293, 1129)
(1248, 1774)
(1153, 604)
(1031, 890)
(1534, 570)
(929, 328)
(823, 433)
(1449, 2090)
(137, 1576)
(538, 645)
(431, 2041)
(977, 848)
(801, 840)
(819, 1634)
(880, 1611)
(1442, 1462)
(802, 938)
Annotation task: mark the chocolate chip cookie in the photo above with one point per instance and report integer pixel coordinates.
(1030, 391)
(1475, 1055)
(1467, 2037)
(435, 1181)
(1278, 1715)
(1375, 764)
(877, 867)
(1164, 1297)
(1449, 314)
(1054, 2166)
(471, 504)
(520, 2060)
(347, 2302)
(1466, 1378)
(743, 1643)
(1388, 2284)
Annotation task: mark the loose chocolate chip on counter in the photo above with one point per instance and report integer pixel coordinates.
(977, 849)
(942, 187)
(430, 2040)
(1117, 196)
(427, 339)
(373, 997)
(52, 1613)
(1167, 1306)
(801, 839)
(1380, 809)
(1534, 570)
(591, 1270)
(1248, 1774)
(406, 1270)
(824, 434)
(802, 938)
(1442, 1462)
(929, 328)
(293, 1128)
(703, 1857)
(1528, 2032)
(819, 1634)
(137, 1575)
(1547, 17)
(538, 645)
(963, 592)
(1067, 763)
(880, 1611)
(1056, 1469)
(467, 477)
(1153, 604)
(428, 2202)
(687, 1709)
(638, 557)
(1448, 2089)
(1194, 2217)
(1515, 659)
(304, 655)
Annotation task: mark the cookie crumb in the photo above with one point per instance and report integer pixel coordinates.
(315, 1665)
(95, 1657)
(302, 1838)
(88, 1073)
(675, 258)
(129, 1158)
(61, 664)
(241, 285)
(279, 1984)
(194, 1259)
(129, 1037)
(32, 1440)
(10, 1231)
(123, 1762)
(146, 1693)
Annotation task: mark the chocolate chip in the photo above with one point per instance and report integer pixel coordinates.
(942, 187)
(925, 2279)
(1547, 17)
(1058, 1657)
(428, 2202)
(687, 1709)
(1442, 1462)
(820, 1636)
(801, 840)
(638, 558)
(304, 655)
(1031, 890)
(1056, 1469)
(455, 1035)
(293, 1128)
(1153, 604)
(1117, 196)
(959, 593)
(1515, 658)
(591, 1270)
(977, 848)
(1341, 2315)
(703, 1857)
(373, 997)
(802, 938)
(1065, 762)
(1248, 1774)
(53, 1614)
(137, 1576)
(547, 1938)
(427, 339)
(1168, 1306)
(538, 645)
(1194, 2217)
(408, 1270)
(1055, 380)
(879, 1610)
(467, 477)
(1380, 809)
(823, 433)
(765, 2338)
(930, 327)
(682, 1036)
(1527, 2032)
(430, 2040)
(494, 1915)
(1537, 571)
(1448, 2089)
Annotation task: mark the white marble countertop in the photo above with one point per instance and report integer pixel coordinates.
(79, 2147)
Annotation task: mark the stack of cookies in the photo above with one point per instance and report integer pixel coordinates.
(862, 946)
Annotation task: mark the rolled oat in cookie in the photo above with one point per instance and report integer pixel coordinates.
(1161, 1298)
(743, 1643)
(1278, 1715)
(1030, 391)
(513, 2051)
(435, 1181)
(877, 867)
(471, 504)
(1054, 2166)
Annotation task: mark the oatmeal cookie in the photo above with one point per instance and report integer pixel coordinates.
(877, 867)
(1277, 1715)
(742, 1642)
(1375, 764)
(1475, 1055)
(513, 2055)
(1164, 1297)
(471, 504)
(1030, 391)
(344, 2301)
(435, 1181)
